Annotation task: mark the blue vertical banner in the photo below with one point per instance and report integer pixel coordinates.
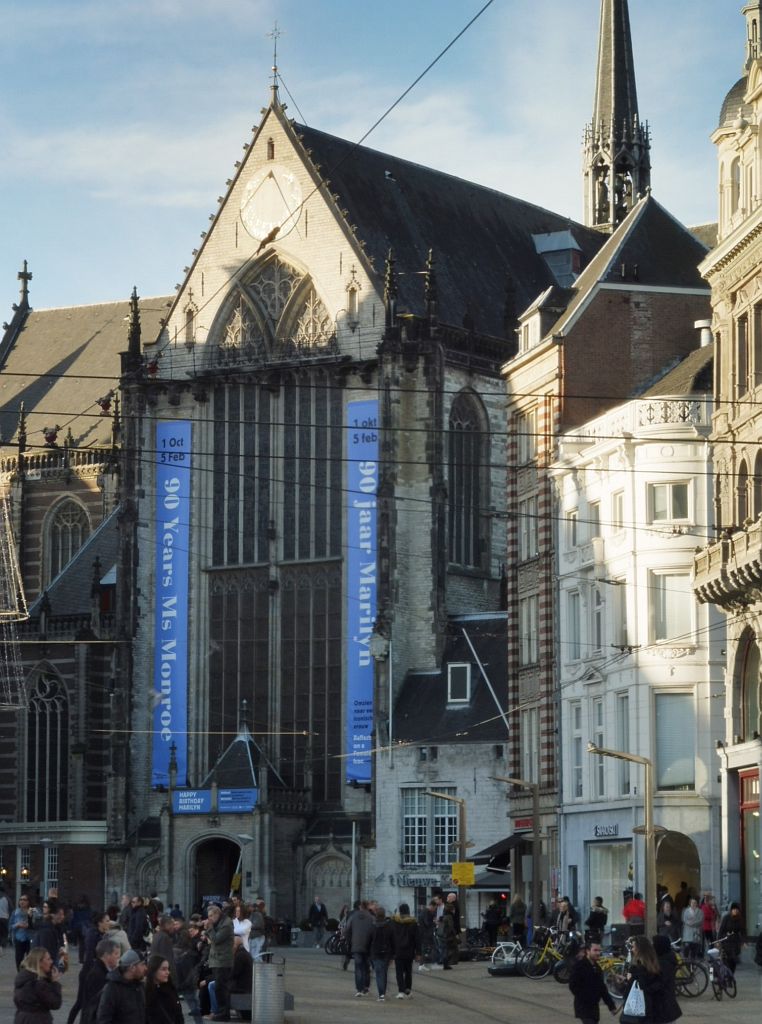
(362, 587)
(172, 540)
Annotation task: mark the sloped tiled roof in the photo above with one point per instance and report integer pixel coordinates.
(692, 375)
(62, 361)
(478, 235)
(422, 713)
(665, 253)
(235, 766)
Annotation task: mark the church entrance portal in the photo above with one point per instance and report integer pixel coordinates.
(216, 861)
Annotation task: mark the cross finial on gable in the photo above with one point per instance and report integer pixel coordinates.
(25, 276)
(275, 36)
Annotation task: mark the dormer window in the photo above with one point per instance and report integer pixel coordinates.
(458, 683)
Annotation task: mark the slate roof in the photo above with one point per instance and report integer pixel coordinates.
(421, 712)
(234, 768)
(478, 235)
(665, 253)
(69, 592)
(692, 375)
(62, 361)
(733, 104)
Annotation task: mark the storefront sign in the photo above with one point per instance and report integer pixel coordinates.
(523, 824)
(172, 538)
(361, 588)
(418, 881)
(463, 873)
(605, 831)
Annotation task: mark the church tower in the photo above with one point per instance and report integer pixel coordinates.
(617, 165)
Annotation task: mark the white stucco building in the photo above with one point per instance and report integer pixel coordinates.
(640, 661)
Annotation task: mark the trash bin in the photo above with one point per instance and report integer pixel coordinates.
(269, 990)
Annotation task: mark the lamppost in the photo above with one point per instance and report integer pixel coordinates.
(461, 844)
(534, 788)
(648, 827)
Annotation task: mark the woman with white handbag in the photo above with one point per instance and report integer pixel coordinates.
(644, 983)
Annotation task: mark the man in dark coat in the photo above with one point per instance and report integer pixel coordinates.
(51, 935)
(406, 946)
(665, 1005)
(359, 936)
(219, 935)
(587, 986)
(107, 954)
(122, 1000)
(137, 924)
(162, 944)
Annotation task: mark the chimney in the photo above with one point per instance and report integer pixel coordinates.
(705, 329)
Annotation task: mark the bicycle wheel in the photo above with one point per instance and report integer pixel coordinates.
(730, 987)
(716, 990)
(615, 980)
(504, 953)
(535, 964)
(562, 971)
(691, 978)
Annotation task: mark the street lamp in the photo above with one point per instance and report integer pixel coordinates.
(534, 788)
(462, 844)
(648, 827)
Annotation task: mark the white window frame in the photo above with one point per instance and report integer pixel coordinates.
(597, 715)
(444, 831)
(593, 519)
(458, 665)
(414, 806)
(668, 489)
(623, 741)
(528, 533)
(528, 639)
(667, 600)
(675, 741)
(577, 764)
(574, 622)
(598, 622)
(529, 733)
(572, 528)
(526, 434)
(617, 511)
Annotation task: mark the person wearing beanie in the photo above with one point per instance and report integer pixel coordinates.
(122, 1000)
(406, 946)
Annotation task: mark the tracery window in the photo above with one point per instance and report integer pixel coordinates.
(274, 286)
(468, 489)
(47, 750)
(313, 326)
(68, 529)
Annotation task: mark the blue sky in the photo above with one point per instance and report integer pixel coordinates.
(121, 120)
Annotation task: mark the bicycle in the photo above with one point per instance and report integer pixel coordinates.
(562, 970)
(507, 951)
(539, 960)
(691, 976)
(722, 978)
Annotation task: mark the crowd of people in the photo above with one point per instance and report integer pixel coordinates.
(136, 961)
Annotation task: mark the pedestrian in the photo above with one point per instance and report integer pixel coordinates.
(242, 975)
(318, 917)
(733, 931)
(643, 971)
(711, 919)
(257, 933)
(517, 914)
(566, 919)
(596, 920)
(588, 987)
(359, 936)
(492, 918)
(122, 1000)
(242, 924)
(93, 933)
(693, 922)
(406, 947)
(668, 920)
(634, 910)
(5, 916)
(21, 926)
(666, 1008)
(81, 919)
(138, 929)
(188, 949)
(107, 954)
(163, 945)
(454, 905)
(447, 938)
(381, 950)
(219, 934)
(36, 990)
(682, 898)
(162, 1002)
(51, 935)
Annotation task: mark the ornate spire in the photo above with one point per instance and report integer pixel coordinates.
(25, 276)
(431, 290)
(275, 36)
(390, 291)
(131, 359)
(753, 12)
(617, 144)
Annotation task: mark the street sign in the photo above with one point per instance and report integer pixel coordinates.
(463, 873)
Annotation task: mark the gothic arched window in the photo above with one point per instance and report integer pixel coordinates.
(750, 690)
(756, 490)
(47, 748)
(468, 468)
(68, 529)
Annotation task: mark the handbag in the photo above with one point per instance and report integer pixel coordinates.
(635, 1004)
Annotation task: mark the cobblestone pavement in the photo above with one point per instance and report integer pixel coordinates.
(325, 993)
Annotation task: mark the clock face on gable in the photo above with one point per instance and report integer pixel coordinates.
(272, 199)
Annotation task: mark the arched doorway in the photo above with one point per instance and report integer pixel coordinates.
(215, 862)
(677, 861)
(328, 875)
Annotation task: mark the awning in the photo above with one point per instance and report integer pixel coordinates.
(497, 855)
(492, 881)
